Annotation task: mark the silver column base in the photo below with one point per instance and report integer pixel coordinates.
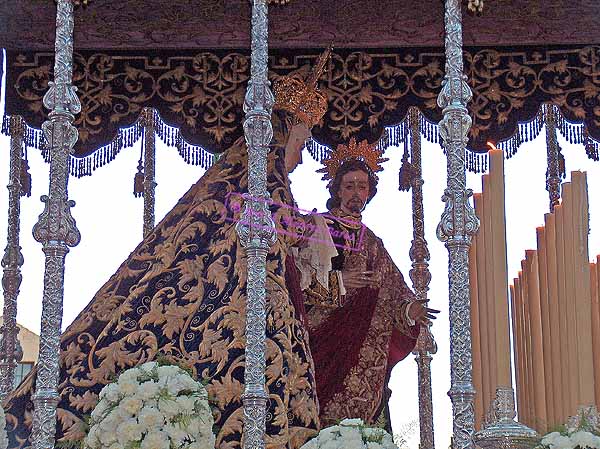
(503, 432)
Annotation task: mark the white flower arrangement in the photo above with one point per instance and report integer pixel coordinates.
(152, 407)
(3, 435)
(351, 434)
(582, 432)
(563, 440)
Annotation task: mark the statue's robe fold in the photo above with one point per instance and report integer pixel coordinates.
(181, 293)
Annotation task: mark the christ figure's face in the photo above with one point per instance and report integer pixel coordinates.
(354, 191)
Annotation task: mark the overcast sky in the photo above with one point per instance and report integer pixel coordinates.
(110, 221)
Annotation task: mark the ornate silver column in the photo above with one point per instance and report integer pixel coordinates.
(256, 229)
(553, 152)
(457, 226)
(12, 263)
(56, 229)
(420, 277)
(149, 169)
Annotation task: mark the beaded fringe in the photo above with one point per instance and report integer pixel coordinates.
(577, 133)
(82, 166)
(171, 136)
(476, 162)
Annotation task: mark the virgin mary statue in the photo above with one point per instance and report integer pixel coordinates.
(181, 294)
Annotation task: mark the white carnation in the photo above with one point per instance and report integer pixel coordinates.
(352, 422)
(331, 444)
(107, 435)
(147, 390)
(128, 386)
(562, 442)
(150, 418)
(177, 433)
(148, 366)
(168, 371)
(111, 393)
(206, 440)
(197, 425)
(128, 431)
(132, 374)
(549, 438)
(185, 382)
(186, 404)
(169, 407)
(354, 444)
(156, 439)
(583, 439)
(100, 410)
(131, 405)
(351, 434)
(92, 438)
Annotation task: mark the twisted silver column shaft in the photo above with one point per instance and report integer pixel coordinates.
(553, 151)
(457, 226)
(56, 229)
(12, 261)
(149, 169)
(421, 277)
(256, 228)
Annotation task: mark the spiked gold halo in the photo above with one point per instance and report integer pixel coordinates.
(363, 151)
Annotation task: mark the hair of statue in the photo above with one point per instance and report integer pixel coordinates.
(336, 183)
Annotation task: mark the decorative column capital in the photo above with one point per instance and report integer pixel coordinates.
(147, 117)
(256, 228)
(425, 342)
(459, 222)
(61, 99)
(56, 224)
(455, 91)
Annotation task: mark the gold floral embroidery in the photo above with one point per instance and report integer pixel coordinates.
(182, 293)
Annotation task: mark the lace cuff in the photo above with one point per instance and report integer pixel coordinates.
(402, 321)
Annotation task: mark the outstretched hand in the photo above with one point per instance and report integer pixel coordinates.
(421, 314)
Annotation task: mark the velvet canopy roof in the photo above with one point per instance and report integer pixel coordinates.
(190, 61)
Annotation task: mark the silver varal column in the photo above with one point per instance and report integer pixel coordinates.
(421, 277)
(12, 261)
(56, 229)
(149, 124)
(457, 226)
(550, 113)
(256, 228)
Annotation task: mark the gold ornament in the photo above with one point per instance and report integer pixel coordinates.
(301, 97)
(363, 151)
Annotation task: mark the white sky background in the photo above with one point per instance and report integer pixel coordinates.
(110, 221)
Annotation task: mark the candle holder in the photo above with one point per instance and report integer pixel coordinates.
(503, 431)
